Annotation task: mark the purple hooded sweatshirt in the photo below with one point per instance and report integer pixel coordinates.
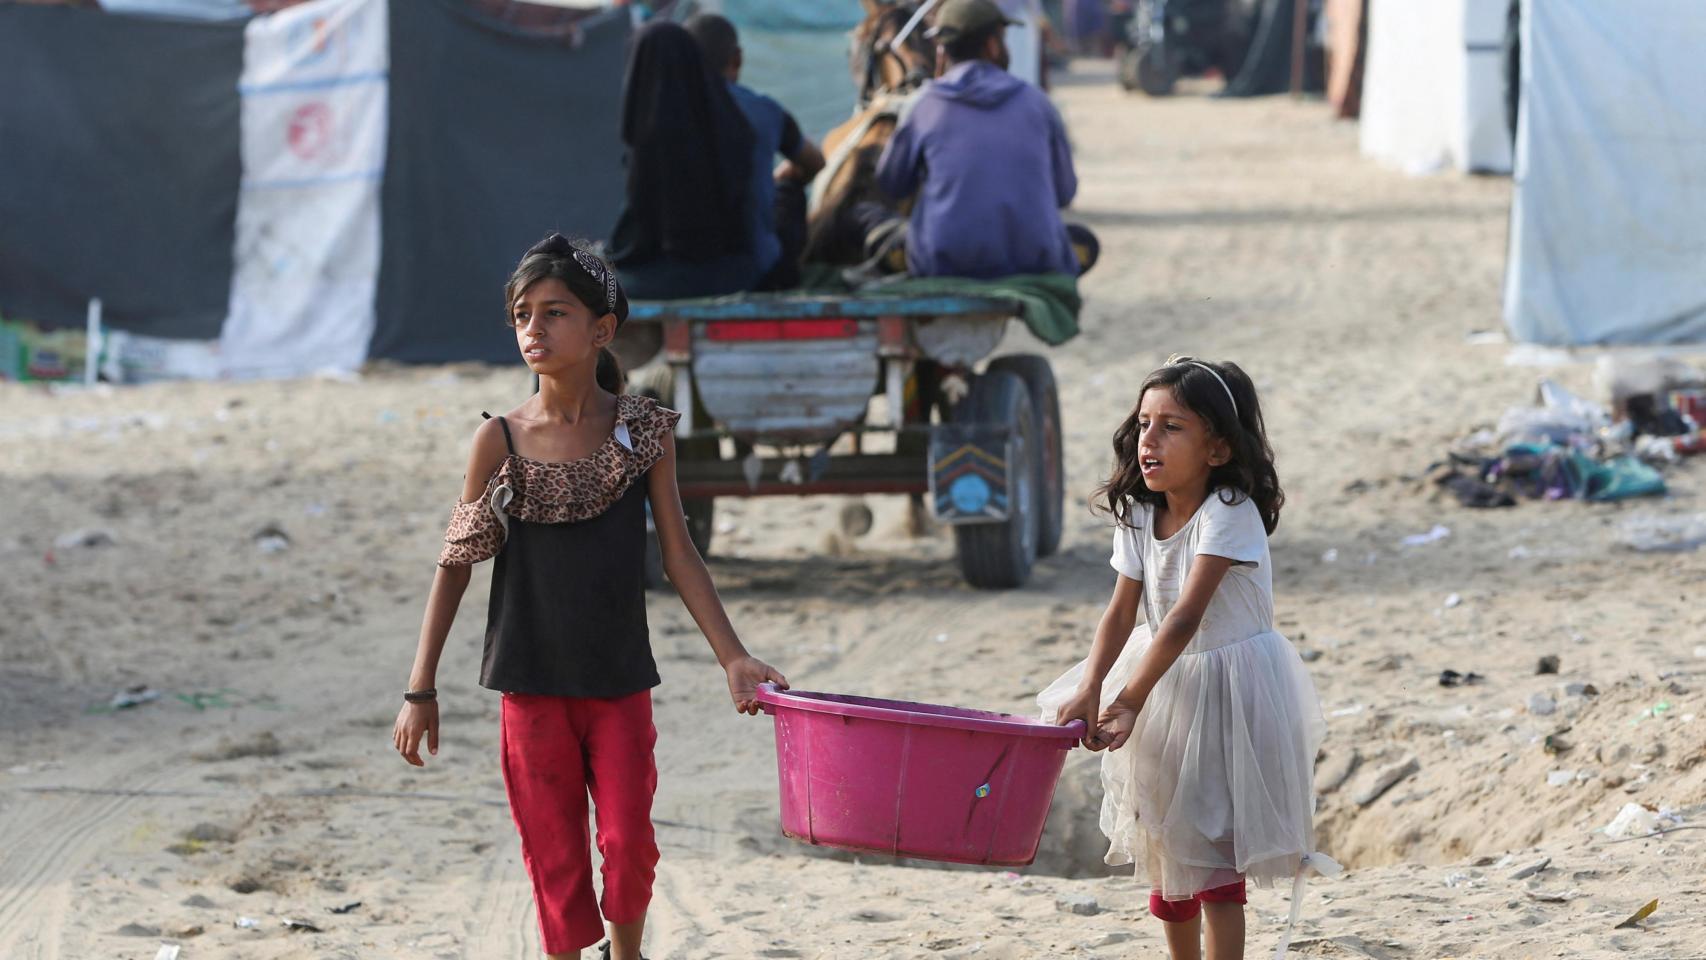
(987, 154)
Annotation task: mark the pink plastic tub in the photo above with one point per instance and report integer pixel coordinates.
(914, 779)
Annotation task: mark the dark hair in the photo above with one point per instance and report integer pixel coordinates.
(556, 258)
(717, 39)
(969, 46)
(1250, 470)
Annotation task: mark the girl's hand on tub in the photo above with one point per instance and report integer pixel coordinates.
(1116, 724)
(745, 674)
(1085, 705)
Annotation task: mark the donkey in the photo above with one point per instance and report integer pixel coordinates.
(885, 73)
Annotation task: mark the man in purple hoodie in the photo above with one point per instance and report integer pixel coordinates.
(987, 156)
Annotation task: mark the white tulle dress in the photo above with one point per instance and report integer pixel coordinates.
(1217, 779)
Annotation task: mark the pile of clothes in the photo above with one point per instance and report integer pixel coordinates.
(1569, 447)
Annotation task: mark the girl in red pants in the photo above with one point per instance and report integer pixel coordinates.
(557, 492)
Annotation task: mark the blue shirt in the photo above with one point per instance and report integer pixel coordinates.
(988, 157)
(774, 132)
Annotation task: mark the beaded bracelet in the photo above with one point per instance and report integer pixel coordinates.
(421, 696)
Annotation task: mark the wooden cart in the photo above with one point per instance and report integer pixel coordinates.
(803, 395)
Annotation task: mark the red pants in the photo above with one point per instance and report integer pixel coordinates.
(556, 750)
(1184, 911)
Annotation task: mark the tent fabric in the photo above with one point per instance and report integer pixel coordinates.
(1267, 64)
(520, 139)
(1432, 88)
(1608, 222)
(313, 131)
(104, 193)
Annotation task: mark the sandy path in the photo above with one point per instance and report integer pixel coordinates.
(1242, 230)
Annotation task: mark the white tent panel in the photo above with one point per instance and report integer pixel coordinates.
(1432, 94)
(1608, 222)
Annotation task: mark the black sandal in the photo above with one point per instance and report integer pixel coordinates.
(604, 951)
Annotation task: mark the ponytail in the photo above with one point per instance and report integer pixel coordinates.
(609, 374)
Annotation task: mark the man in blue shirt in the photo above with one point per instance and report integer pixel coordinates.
(987, 156)
(776, 198)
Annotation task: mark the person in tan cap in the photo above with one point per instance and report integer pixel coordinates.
(986, 155)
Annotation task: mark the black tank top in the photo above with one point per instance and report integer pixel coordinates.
(567, 615)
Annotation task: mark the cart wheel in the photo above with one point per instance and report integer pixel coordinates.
(657, 381)
(995, 556)
(1051, 461)
(1155, 70)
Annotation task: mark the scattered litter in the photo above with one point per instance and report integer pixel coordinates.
(1633, 821)
(1560, 778)
(133, 697)
(388, 416)
(752, 468)
(315, 509)
(1084, 906)
(85, 538)
(1520, 552)
(1546, 896)
(1658, 709)
(1523, 873)
(1542, 705)
(1309, 656)
(941, 638)
(1386, 779)
(1455, 880)
(247, 923)
(1555, 744)
(1435, 535)
(1331, 556)
(1010, 876)
(1700, 650)
(1451, 678)
(1650, 533)
(1453, 601)
(727, 525)
(168, 951)
(272, 539)
(1547, 664)
(1576, 689)
(1350, 711)
(1639, 915)
(291, 923)
(344, 907)
(792, 473)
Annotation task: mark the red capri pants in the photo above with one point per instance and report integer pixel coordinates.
(557, 750)
(1184, 911)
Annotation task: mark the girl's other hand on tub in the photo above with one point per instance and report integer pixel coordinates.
(745, 674)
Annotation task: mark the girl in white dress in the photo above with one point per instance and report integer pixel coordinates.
(1216, 715)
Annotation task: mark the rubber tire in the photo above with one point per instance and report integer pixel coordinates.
(657, 382)
(1155, 70)
(1051, 483)
(999, 556)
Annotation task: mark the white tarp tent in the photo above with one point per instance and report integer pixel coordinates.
(1608, 223)
(1432, 94)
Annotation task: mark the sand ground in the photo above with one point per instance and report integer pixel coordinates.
(262, 784)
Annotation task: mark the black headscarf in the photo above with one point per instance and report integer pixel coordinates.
(689, 154)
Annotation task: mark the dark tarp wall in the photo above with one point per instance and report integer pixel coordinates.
(1267, 65)
(119, 169)
(497, 137)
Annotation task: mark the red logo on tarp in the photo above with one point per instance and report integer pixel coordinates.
(310, 130)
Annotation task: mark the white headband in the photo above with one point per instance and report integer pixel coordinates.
(1213, 373)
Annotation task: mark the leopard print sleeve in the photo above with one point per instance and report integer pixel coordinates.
(651, 426)
(476, 531)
